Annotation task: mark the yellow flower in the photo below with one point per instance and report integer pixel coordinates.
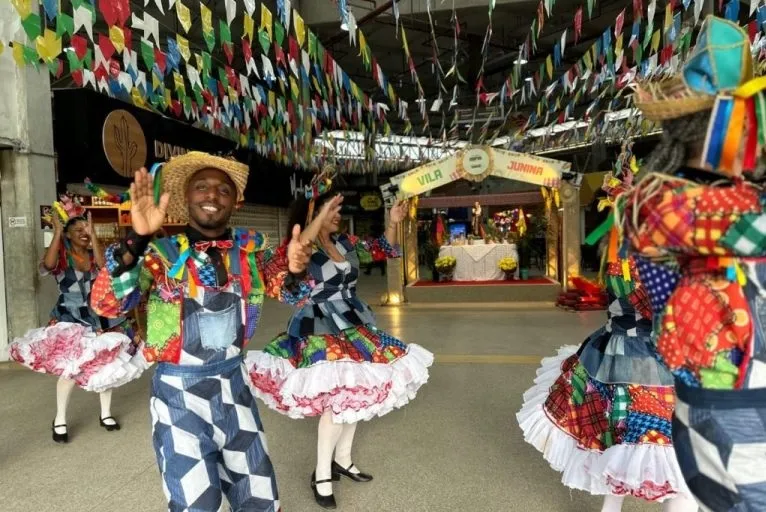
(507, 264)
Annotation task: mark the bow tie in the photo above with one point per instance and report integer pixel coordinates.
(218, 244)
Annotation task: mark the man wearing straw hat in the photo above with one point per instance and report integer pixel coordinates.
(204, 290)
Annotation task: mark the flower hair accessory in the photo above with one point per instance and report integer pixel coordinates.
(68, 208)
(320, 184)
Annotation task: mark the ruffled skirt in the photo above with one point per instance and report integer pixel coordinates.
(358, 375)
(96, 362)
(604, 438)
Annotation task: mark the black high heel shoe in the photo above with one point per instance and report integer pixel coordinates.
(337, 471)
(59, 438)
(323, 501)
(107, 426)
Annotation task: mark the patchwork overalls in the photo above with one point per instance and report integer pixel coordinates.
(720, 435)
(207, 433)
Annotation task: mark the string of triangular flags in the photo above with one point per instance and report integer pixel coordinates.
(298, 92)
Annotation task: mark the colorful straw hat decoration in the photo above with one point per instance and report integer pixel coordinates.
(320, 184)
(718, 75)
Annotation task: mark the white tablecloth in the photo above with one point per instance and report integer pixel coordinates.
(480, 262)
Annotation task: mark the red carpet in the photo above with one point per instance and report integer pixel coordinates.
(531, 281)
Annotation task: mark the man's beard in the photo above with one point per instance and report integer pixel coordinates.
(207, 222)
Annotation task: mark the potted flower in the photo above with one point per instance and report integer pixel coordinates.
(508, 265)
(446, 267)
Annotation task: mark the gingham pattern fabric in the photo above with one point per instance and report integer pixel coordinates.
(333, 305)
(620, 403)
(720, 441)
(748, 236)
(122, 284)
(209, 440)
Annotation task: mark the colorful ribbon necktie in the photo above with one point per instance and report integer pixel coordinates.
(218, 244)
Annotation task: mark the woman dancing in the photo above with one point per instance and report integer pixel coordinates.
(601, 413)
(78, 346)
(333, 362)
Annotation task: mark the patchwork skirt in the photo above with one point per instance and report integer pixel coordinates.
(606, 437)
(359, 374)
(95, 361)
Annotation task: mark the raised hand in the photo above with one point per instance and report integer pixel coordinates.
(89, 224)
(398, 212)
(298, 252)
(146, 216)
(56, 221)
(331, 207)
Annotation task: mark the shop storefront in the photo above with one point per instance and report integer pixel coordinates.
(106, 140)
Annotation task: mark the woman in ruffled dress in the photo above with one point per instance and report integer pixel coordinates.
(333, 362)
(81, 348)
(601, 414)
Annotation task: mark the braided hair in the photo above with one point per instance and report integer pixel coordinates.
(678, 137)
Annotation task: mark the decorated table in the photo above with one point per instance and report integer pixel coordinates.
(479, 262)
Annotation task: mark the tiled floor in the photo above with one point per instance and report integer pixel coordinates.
(457, 447)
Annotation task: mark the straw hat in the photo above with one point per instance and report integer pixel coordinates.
(179, 170)
(720, 62)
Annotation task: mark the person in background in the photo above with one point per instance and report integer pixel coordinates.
(333, 362)
(377, 253)
(80, 347)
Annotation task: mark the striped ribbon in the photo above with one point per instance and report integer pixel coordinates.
(156, 173)
(714, 141)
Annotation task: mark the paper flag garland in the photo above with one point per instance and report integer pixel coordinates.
(266, 21)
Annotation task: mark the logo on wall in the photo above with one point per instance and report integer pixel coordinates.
(371, 202)
(124, 143)
(475, 164)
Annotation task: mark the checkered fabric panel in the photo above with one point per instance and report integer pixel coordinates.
(747, 237)
(209, 441)
(620, 404)
(721, 451)
(591, 416)
(708, 232)
(670, 223)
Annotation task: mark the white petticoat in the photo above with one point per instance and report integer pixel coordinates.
(637, 469)
(96, 362)
(353, 391)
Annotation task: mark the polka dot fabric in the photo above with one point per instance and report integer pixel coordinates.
(658, 280)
